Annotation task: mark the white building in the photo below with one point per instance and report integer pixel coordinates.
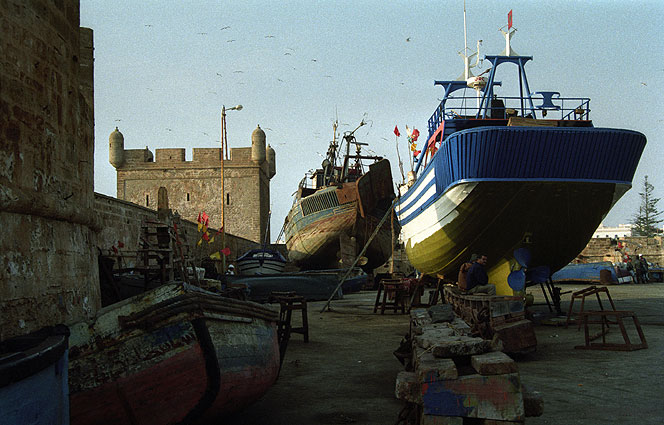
(620, 231)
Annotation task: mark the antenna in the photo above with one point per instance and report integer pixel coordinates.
(508, 36)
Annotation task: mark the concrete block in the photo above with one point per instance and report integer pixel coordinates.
(441, 313)
(533, 402)
(461, 346)
(475, 396)
(430, 368)
(408, 387)
(495, 422)
(440, 420)
(493, 363)
(517, 336)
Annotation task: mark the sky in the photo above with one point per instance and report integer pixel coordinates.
(164, 69)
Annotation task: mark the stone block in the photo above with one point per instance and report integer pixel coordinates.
(460, 346)
(517, 336)
(440, 420)
(441, 313)
(475, 396)
(408, 388)
(533, 402)
(495, 422)
(429, 368)
(493, 363)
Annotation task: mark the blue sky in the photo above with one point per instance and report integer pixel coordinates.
(163, 70)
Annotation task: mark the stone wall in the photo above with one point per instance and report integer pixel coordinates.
(604, 249)
(122, 221)
(48, 270)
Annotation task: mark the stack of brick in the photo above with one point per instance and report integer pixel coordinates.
(452, 375)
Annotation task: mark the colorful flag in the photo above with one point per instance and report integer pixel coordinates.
(416, 153)
(226, 251)
(215, 255)
(396, 131)
(416, 134)
(120, 244)
(509, 19)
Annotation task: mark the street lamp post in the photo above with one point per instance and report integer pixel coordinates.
(224, 154)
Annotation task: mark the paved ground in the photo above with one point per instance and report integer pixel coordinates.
(346, 373)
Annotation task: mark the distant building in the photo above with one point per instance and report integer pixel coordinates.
(620, 231)
(195, 186)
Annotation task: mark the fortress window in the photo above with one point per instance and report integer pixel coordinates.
(187, 197)
(228, 199)
(147, 200)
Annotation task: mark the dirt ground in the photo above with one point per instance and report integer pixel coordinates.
(346, 373)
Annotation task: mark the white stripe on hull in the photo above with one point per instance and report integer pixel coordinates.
(436, 215)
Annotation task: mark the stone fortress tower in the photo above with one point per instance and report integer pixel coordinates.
(195, 186)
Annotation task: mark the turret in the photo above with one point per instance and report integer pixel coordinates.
(116, 148)
(271, 162)
(258, 145)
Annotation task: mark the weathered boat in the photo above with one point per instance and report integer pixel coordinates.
(33, 378)
(334, 216)
(175, 354)
(261, 261)
(601, 272)
(526, 174)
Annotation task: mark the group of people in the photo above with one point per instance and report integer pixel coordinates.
(473, 278)
(639, 269)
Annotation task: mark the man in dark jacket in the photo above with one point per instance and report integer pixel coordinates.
(478, 280)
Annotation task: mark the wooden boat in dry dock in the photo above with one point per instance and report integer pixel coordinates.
(33, 378)
(524, 179)
(332, 219)
(175, 354)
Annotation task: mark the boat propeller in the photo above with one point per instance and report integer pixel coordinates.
(518, 278)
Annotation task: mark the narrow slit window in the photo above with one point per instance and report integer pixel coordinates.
(187, 197)
(147, 200)
(228, 199)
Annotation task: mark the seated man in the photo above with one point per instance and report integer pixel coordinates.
(462, 279)
(478, 281)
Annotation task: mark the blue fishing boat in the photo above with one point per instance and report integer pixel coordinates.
(524, 179)
(33, 378)
(601, 272)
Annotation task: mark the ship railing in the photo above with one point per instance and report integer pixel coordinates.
(547, 105)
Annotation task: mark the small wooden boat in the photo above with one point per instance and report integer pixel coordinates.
(175, 354)
(33, 378)
(261, 261)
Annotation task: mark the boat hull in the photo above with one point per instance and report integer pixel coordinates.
(494, 190)
(602, 272)
(328, 229)
(260, 262)
(172, 357)
(33, 379)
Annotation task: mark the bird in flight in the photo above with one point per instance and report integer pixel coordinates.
(224, 28)
(288, 54)
(238, 72)
(148, 25)
(269, 36)
(407, 39)
(201, 33)
(219, 74)
(229, 41)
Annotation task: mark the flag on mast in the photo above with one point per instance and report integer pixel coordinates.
(509, 19)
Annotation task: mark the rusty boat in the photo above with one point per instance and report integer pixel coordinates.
(338, 208)
(175, 354)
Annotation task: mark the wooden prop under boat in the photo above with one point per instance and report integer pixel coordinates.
(175, 354)
(33, 378)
